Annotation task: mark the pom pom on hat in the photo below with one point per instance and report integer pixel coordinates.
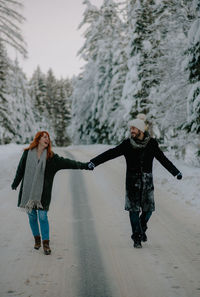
(141, 116)
(138, 122)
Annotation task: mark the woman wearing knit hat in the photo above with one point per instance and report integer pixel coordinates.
(139, 150)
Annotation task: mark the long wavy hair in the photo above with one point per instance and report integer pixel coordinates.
(36, 140)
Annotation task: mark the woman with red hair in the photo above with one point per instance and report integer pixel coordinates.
(36, 171)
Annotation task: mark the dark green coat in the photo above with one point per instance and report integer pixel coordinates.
(52, 166)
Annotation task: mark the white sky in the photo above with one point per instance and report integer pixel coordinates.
(52, 36)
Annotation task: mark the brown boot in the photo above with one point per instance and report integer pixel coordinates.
(37, 242)
(46, 247)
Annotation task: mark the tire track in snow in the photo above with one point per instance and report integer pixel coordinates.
(92, 275)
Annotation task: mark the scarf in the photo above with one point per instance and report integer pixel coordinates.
(137, 143)
(33, 180)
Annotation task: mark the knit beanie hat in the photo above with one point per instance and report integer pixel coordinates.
(139, 122)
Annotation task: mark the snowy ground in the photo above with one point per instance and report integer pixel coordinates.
(92, 253)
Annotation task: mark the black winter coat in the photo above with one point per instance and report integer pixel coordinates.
(139, 179)
(53, 165)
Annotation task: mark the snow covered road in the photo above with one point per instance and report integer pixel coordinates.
(92, 253)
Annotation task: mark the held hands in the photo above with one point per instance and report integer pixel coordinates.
(179, 175)
(90, 165)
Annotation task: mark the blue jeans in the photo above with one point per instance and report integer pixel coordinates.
(43, 220)
(139, 222)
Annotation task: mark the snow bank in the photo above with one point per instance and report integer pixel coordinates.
(9, 158)
(187, 189)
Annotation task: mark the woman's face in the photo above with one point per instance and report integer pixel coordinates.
(44, 140)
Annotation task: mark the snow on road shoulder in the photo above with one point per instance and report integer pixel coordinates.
(186, 190)
(9, 157)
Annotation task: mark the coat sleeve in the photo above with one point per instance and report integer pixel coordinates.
(20, 170)
(109, 154)
(65, 163)
(160, 156)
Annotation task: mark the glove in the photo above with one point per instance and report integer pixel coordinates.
(91, 166)
(13, 188)
(179, 175)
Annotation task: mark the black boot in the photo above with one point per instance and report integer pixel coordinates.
(136, 237)
(37, 242)
(143, 235)
(46, 247)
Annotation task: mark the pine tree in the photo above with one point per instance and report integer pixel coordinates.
(37, 91)
(142, 54)
(52, 105)
(51, 89)
(193, 100)
(105, 102)
(20, 106)
(61, 113)
(4, 65)
(81, 127)
(169, 97)
(97, 78)
(16, 118)
(112, 98)
(6, 126)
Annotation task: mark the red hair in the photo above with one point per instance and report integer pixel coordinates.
(36, 140)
